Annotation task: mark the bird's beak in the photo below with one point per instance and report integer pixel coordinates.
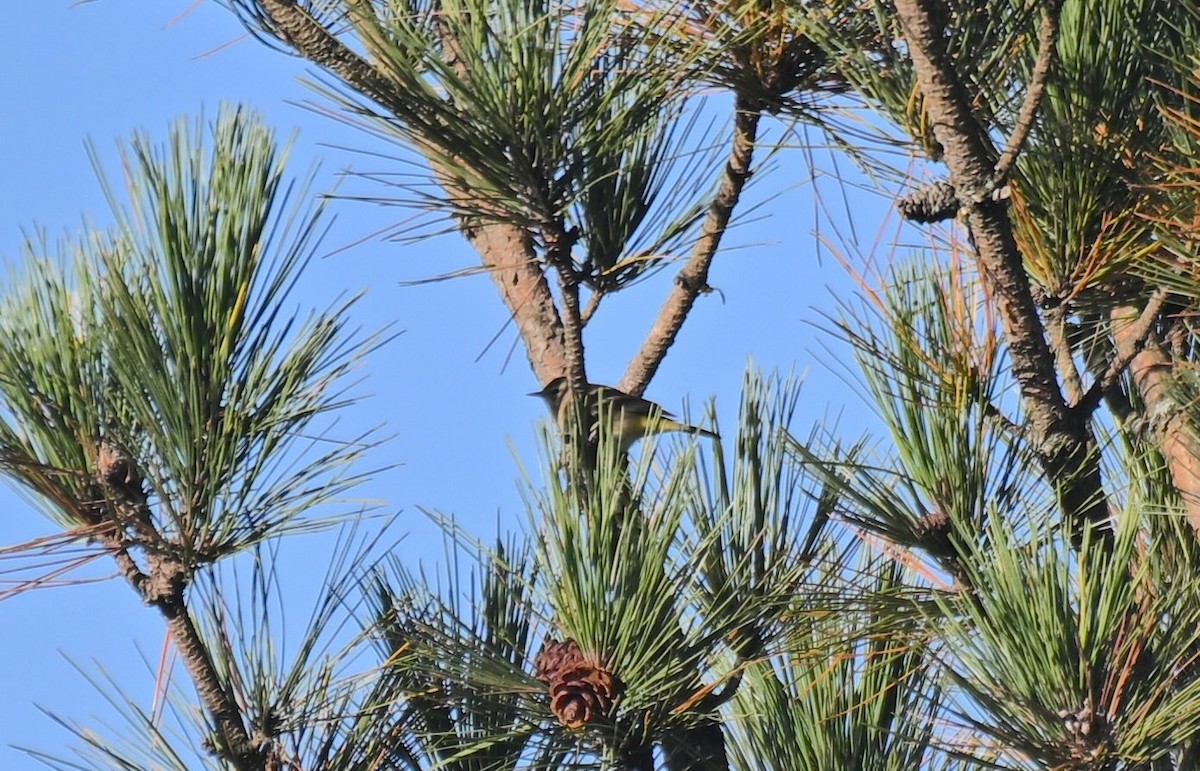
(550, 391)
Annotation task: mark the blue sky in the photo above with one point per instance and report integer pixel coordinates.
(102, 69)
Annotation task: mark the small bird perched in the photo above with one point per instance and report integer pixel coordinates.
(632, 416)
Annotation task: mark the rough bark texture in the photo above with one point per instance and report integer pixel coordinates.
(1064, 357)
(507, 254)
(1047, 38)
(692, 279)
(311, 40)
(1062, 437)
(238, 747)
(1151, 369)
(506, 251)
(162, 585)
(558, 253)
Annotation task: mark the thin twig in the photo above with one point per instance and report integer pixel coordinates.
(590, 309)
(1056, 328)
(1138, 333)
(1001, 422)
(692, 279)
(1047, 39)
(572, 318)
(710, 697)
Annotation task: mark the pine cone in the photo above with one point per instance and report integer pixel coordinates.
(930, 203)
(581, 692)
(554, 657)
(115, 467)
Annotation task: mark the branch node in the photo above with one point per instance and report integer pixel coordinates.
(695, 285)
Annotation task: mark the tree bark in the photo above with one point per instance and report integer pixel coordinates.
(506, 251)
(235, 743)
(692, 278)
(1062, 437)
(125, 516)
(1151, 369)
(508, 255)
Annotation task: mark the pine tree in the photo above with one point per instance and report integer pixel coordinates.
(1006, 578)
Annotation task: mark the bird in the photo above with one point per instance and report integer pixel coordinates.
(633, 417)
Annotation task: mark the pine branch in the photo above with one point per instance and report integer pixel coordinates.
(507, 253)
(558, 253)
(236, 744)
(505, 250)
(1152, 370)
(1036, 88)
(162, 586)
(583, 457)
(308, 37)
(692, 279)
(1131, 337)
(1056, 327)
(1063, 439)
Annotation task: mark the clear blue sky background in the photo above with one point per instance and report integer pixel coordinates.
(105, 68)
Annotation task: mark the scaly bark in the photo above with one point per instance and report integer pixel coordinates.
(126, 525)
(1151, 368)
(692, 279)
(1062, 437)
(506, 251)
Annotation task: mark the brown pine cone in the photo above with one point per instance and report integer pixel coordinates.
(115, 467)
(583, 694)
(555, 656)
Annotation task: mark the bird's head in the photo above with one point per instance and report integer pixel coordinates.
(553, 393)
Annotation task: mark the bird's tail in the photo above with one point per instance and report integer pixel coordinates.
(669, 424)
